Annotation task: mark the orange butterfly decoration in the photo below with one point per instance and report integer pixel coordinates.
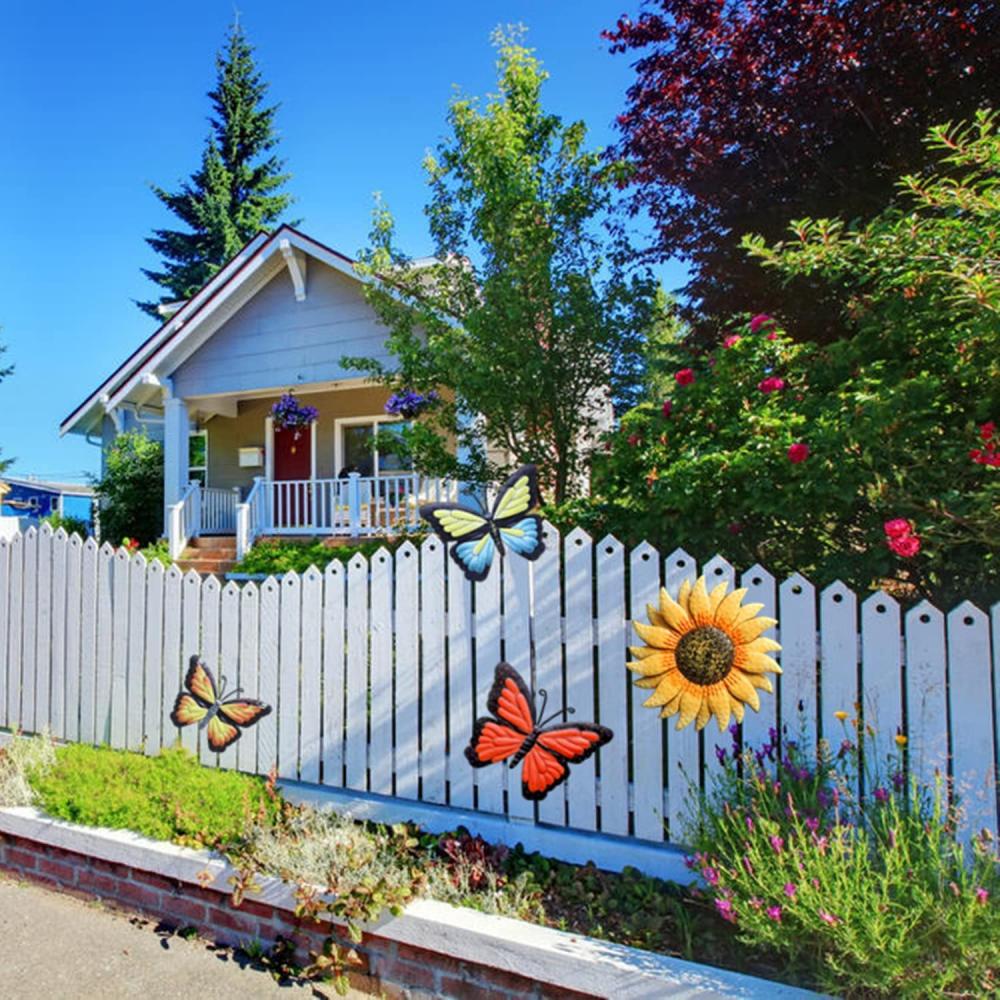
(513, 734)
(222, 720)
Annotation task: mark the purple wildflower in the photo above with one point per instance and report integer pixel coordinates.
(881, 795)
(777, 843)
(710, 875)
(790, 890)
(725, 910)
(812, 824)
(774, 912)
(720, 753)
(982, 895)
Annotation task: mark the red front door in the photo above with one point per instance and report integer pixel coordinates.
(292, 472)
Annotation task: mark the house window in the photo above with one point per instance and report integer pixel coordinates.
(198, 457)
(358, 452)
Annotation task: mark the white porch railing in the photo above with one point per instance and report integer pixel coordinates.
(185, 519)
(250, 518)
(218, 510)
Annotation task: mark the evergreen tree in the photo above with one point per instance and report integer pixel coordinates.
(237, 190)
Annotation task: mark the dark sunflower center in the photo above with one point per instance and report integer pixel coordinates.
(705, 655)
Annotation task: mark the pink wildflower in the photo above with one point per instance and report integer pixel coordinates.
(759, 322)
(982, 895)
(771, 384)
(774, 912)
(725, 910)
(733, 338)
(777, 843)
(828, 918)
(790, 890)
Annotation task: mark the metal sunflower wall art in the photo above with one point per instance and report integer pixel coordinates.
(705, 655)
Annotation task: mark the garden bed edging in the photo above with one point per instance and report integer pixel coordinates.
(432, 949)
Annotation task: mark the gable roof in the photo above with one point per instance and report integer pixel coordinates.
(194, 314)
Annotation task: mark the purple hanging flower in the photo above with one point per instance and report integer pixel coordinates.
(289, 413)
(409, 403)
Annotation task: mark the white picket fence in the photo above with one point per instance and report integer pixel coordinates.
(377, 669)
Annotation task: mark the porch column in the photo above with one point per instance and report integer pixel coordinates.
(176, 427)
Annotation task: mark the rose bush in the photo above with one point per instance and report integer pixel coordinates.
(799, 456)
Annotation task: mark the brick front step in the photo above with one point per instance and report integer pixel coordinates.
(209, 554)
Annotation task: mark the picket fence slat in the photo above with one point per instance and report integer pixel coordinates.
(152, 735)
(407, 667)
(381, 750)
(289, 670)
(43, 635)
(489, 780)
(972, 731)
(461, 694)
(612, 682)
(647, 729)
(549, 651)
(310, 745)
(926, 692)
(229, 656)
(433, 731)
(376, 671)
(249, 647)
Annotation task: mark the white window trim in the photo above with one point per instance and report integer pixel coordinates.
(203, 432)
(338, 436)
(269, 448)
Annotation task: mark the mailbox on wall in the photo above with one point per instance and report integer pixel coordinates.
(251, 458)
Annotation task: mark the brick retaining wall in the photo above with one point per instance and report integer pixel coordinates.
(392, 968)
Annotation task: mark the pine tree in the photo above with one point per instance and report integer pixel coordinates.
(237, 190)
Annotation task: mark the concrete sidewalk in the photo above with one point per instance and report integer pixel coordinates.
(57, 947)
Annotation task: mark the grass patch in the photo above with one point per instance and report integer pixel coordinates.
(167, 797)
(276, 557)
(20, 760)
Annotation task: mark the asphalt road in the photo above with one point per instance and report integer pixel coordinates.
(57, 947)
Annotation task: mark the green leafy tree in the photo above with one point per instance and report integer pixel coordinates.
(876, 457)
(5, 371)
(130, 491)
(236, 191)
(525, 318)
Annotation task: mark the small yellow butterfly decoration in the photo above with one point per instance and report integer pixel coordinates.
(705, 654)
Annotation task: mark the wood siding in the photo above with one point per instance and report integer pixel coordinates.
(274, 340)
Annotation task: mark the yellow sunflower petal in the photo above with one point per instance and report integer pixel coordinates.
(718, 698)
(672, 612)
(764, 644)
(728, 607)
(672, 707)
(747, 612)
(756, 663)
(741, 687)
(641, 652)
(648, 682)
(666, 691)
(704, 714)
(761, 681)
(698, 604)
(750, 630)
(691, 702)
(684, 594)
(737, 708)
(661, 638)
(717, 595)
(660, 663)
(655, 618)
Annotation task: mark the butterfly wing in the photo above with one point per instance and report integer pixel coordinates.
(517, 496)
(244, 712)
(187, 710)
(546, 764)
(221, 733)
(200, 682)
(474, 549)
(502, 737)
(524, 537)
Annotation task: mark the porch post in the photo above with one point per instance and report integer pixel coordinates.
(176, 426)
(354, 503)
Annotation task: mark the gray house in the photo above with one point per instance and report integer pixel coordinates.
(276, 319)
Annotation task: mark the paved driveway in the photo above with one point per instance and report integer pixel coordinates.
(56, 947)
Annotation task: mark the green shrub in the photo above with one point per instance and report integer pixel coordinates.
(276, 557)
(868, 897)
(130, 491)
(71, 525)
(160, 550)
(168, 797)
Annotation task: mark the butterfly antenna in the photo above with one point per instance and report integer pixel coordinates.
(555, 715)
(545, 700)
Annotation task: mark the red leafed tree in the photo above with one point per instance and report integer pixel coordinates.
(747, 114)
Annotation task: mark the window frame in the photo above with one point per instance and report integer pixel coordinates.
(341, 423)
(202, 433)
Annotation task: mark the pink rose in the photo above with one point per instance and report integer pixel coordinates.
(684, 377)
(759, 321)
(771, 384)
(668, 407)
(733, 338)
(898, 527)
(906, 547)
(798, 452)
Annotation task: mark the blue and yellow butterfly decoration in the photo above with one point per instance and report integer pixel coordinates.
(476, 537)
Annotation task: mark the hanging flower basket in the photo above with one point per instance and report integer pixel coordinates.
(410, 404)
(290, 415)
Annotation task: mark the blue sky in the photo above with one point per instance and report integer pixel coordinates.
(99, 100)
